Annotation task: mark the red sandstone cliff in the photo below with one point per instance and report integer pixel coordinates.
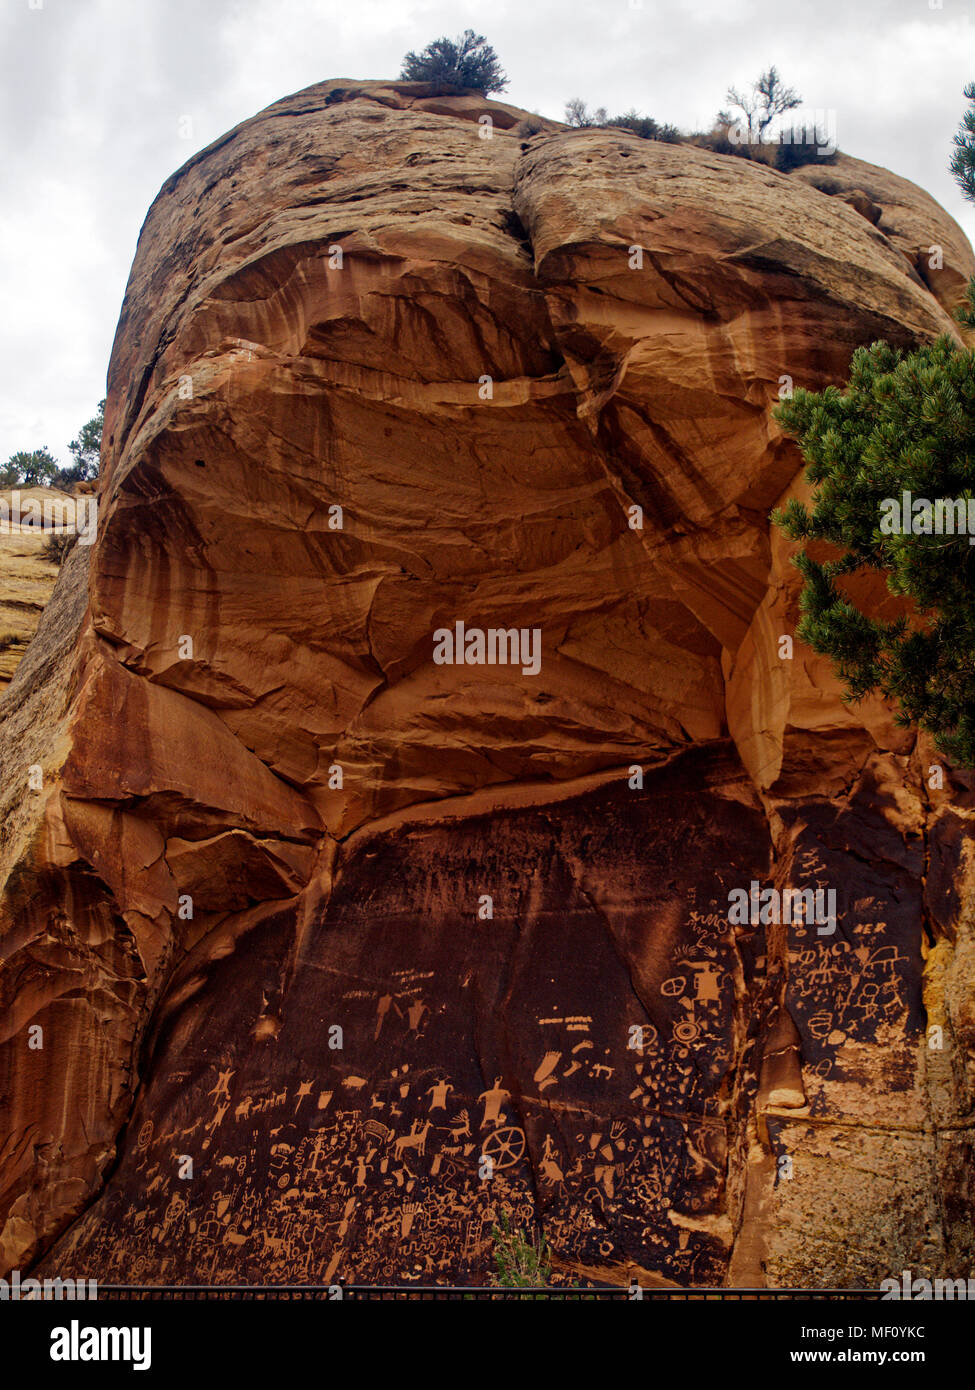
(487, 381)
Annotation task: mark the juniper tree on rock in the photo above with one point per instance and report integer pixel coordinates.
(29, 468)
(468, 61)
(904, 424)
(963, 159)
(86, 452)
(39, 467)
(963, 167)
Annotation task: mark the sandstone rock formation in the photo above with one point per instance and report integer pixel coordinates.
(314, 924)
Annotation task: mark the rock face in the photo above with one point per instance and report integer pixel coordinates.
(315, 924)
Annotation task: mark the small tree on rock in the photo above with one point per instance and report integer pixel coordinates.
(468, 61)
(903, 428)
(578, 115)
(767, 99)
(29, 468)
(86, 452)
(963, 159)
(963, 167)
(86, 449)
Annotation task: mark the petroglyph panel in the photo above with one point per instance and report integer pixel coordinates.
(583, 1041)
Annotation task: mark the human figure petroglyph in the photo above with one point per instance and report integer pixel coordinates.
(549, 1170)
(346, 1160)
(707, 982)
(493, 1100)
(415, 1014)
(217, 1118)
(362, 1168)
(438, 1093)
(222, 1088)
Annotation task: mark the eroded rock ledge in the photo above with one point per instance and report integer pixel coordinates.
(355, 300)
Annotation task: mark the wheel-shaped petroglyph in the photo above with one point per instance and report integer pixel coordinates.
(505, 1146)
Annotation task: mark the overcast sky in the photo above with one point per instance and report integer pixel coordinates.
(94, 96)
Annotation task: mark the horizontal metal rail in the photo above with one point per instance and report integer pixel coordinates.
(440, 1292)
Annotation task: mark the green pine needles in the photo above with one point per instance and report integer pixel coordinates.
(963, 157)
(892, 458)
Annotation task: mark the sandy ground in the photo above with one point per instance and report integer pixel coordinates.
(27, 580)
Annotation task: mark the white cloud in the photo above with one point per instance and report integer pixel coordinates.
(93, 92)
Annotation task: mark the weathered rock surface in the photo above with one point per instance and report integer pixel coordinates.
(268, 814)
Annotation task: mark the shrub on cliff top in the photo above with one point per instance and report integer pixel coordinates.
(750, 133)
(767, 99)
(795, 153)
(578, 115)
(468, 61)
(646, 127)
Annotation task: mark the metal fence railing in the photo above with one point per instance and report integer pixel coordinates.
(443, 1293)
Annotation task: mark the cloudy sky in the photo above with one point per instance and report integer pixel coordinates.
(100, 100)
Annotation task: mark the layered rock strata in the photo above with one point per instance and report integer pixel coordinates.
(338, 949)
